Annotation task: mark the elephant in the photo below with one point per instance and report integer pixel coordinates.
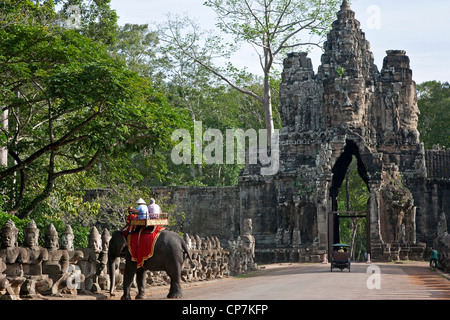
(169, 255)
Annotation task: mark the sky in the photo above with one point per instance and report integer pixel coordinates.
(421, 28)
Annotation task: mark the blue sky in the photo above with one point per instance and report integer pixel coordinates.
(421, 28)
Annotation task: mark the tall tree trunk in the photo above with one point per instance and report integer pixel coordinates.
(354, 232)
(4, 150)
(268, 109)
(359, 251)
(23, 182)
(347, 191)
(268, 61)
(25, 212)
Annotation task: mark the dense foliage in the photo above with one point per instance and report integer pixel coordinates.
(71, 108)
(434, 119)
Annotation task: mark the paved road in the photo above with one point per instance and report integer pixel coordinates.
(316, 282)
(289, 282)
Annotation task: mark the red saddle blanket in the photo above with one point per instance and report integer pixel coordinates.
(141, 244)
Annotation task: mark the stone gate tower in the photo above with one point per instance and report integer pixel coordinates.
(349, 108)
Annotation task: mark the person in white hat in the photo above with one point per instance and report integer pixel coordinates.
(153, 209)
(142, 209)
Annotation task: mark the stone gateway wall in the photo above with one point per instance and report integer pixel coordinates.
(208, 210)
(349, 108)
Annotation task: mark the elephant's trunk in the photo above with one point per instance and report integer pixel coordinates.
(116, 246)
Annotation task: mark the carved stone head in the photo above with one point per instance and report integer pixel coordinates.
(51, 238)
(105, 240)
(67, 238)
(248, 229)
(9, 235)
(95, 240)
(31, 233)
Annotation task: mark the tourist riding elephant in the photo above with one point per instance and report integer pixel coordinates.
(169, 254)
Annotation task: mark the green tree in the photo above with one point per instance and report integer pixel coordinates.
(69, 106)
(434, 118)
(136, 44)
(94, 19)
(191, 89)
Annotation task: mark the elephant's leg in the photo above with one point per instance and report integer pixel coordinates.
(112, 276)
(130, 270)
(140, 279)
(175, 291)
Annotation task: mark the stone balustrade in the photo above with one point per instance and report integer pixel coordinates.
(57, 268)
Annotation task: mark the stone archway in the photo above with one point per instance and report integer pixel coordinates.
(339, 171)
(340, 168)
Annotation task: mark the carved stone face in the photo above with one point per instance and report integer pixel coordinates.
(8, 238)
(96, 244)
(52, 242)
(105, 244)
(32, 238)
(67, 241)
(347, 104)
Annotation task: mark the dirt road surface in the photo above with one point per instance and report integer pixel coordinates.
(384, 281)
(277, 291)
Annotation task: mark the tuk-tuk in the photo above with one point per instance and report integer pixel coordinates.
(340, 257)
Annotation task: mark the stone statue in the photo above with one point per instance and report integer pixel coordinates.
(4, 283)
(88, 264)
(102, 279)
(67, 239)
(67, 243)
(9, 251)
(218, 246)
(188, 241)
(249, 242)
(398, 217)
(193, 243)
(36, 254)
(95, 240)
(75, 275)
(198, 242)
(36, 281)
(13, 257)
(57, 264)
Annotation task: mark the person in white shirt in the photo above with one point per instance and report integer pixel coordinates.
(153, 209)
(142, 209)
